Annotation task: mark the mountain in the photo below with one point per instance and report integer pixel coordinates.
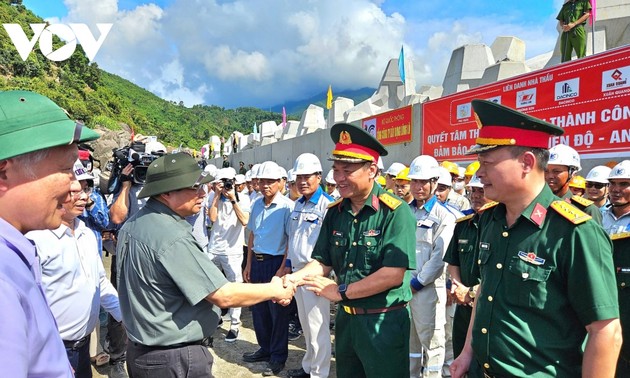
(296, 108)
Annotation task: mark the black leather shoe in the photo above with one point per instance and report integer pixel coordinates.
(298, 373)
(256, 356)
(273, 368)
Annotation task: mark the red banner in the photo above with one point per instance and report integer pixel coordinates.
(392, 127)
(589, 98)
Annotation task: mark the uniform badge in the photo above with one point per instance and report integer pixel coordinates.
(623, 270)
(372, 233)
(538, 215)
(531, 258)
(337, 233)
(344, 138)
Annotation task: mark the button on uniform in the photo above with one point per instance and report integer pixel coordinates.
(499, 266)
(484, 330)
(505, 234)
(354, 244)
(486, 365)
(490, 298)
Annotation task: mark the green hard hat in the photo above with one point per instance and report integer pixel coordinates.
(31, 122)
(173, 172)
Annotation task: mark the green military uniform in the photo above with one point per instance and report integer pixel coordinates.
(544, 279)
(574, 39)
(381, 234)
(585, 205)
(621, 257)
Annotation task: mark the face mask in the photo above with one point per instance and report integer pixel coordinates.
(457, 186)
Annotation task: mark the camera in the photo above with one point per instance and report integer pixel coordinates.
(134, 154)
(228, 184)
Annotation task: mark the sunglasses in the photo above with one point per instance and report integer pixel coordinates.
(596, 185)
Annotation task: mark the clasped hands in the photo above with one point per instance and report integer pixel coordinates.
(460, 293)
(321, 286)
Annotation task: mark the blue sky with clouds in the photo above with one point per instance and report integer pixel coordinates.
(266, 52)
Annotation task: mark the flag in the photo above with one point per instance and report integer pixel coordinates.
(284, 117)
(133, 134)
(255, 128)
(593, 10)
(401, 64)
(329, 98)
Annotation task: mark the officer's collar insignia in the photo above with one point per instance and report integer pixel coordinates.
(372, 233)
(531, 258)
(538, 214)
(337, 233)
(375, 202)
(621, 235)
(581, 200)
(344, 138)
(390, 201)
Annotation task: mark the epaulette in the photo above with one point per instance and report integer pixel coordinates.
(570, 212)
(621, 235)
(487, 206)
(333, 204)
(390, 201)
(467, 217)
(582, 201)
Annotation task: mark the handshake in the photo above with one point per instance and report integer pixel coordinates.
(320, 286)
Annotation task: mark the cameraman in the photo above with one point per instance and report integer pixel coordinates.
(229, 213)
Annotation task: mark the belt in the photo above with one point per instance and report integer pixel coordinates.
(364, 311)
(75, 344)
(488, 375)
(206, 341)
(265, 256)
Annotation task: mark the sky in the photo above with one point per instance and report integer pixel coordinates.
(261, 53)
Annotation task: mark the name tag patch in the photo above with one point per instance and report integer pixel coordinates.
(485, 246)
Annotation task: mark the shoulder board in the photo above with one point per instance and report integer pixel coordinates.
(333, 204)
(621, 235)
(390, 201)
(570, 212)
(581, 200)
(487, 206)
(467, 217)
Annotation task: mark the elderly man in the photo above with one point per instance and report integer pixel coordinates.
(367, 238)
(74, 278)
(533, 309)
(169, 288)
(37, 152)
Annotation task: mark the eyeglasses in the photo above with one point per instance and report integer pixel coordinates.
(596, 185)
(87, 190)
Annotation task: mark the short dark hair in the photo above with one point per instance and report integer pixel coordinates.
(541, 154)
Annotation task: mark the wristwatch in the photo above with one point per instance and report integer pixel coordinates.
(342, 291)
(472, 293)
(233, 202)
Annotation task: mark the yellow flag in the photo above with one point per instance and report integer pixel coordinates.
(329, 98)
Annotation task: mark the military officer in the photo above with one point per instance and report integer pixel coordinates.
(563, 165)
(617, 223)
(571, 20)
(367, 237)
(546, 268)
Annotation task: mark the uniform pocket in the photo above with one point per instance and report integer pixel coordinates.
(530, 283)
(368, 246)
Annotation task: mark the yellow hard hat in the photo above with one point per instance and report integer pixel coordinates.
(381, 181)
(403, 175)
(472, 168)
(451, 167)
(578, 182)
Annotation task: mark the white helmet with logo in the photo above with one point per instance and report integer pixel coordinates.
(620, 171)
(255, 170)
(561, 154)
(270, 170)
(395, 169)
(445, 177)
(599, 174)
(424, 167)
(330, 179)
(306, 164)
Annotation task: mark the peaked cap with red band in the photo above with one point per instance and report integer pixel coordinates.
(503, 126)
(354, 145)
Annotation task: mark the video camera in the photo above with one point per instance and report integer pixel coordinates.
(133, 154)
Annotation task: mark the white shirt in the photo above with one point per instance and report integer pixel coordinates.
(614, 225)
(74, 280)
(226, 237)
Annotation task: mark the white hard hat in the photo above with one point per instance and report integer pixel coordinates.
(561, 154)
(239, 179)
(248, 176)
(445, 177)
(620, 171)
(255, 171)
(211, 169)
(306, 164)
(290, 175)
(270, 170)
(475, 182)
(283, 172)
(225, 174)
(379, 164)
(330, 179)
(599, 174)
(395, 169)
(424, 167)
(80, 172)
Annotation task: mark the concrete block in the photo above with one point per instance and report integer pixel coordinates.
(508, 48)
(503, 70)
(466, 67)
(336, 113)
(267, 129)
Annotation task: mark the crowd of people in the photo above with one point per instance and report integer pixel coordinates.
(511, 266)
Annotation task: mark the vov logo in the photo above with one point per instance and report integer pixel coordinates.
(71, 34)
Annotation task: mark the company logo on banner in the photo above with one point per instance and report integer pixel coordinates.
(567, 89)
(464, 111)
(392, 127)
(615, 79)
(594, 114)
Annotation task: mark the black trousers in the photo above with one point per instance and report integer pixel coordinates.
(153, 362)
(116, 334)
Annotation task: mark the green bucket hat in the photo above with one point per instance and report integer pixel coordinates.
(173, 172)
(31, 122)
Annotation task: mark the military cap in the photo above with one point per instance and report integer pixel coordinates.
(355, 145)
(503, 126)
(31, 122)
(173, 172)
